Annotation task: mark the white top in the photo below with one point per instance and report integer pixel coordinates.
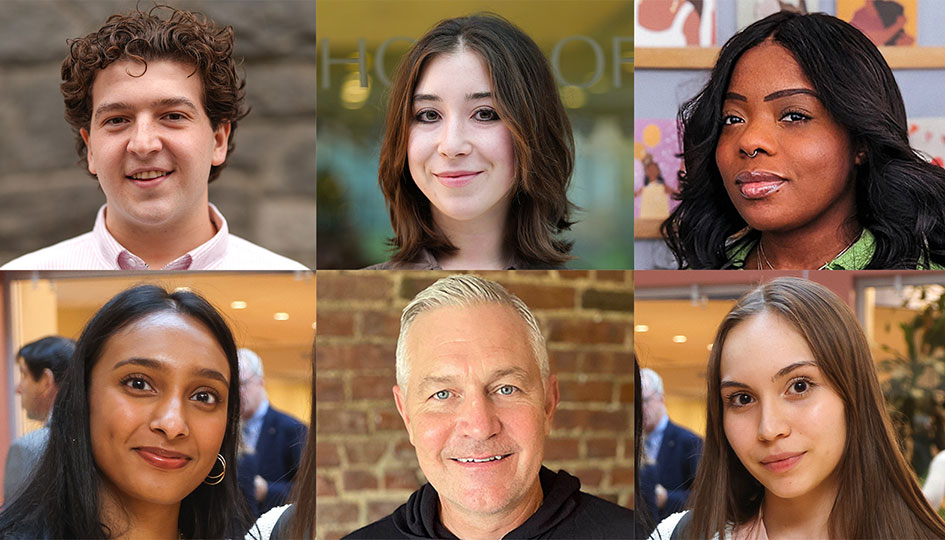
(262, 530)
(99, 250)
(754, 530)
(934, 488)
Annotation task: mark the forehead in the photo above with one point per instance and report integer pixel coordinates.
(178, 339)
(131, 81)
(760, 346)
(460, 68)
(469, 340)
(766, 68)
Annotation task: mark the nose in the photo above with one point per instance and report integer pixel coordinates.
(757, 137)
(773, 423)
(454, 140)
(145, 138)
(169, 418)
(477, 418)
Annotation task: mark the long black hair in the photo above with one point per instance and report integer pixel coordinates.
(63, 498)
(900, 198)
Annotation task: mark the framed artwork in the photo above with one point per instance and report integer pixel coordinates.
(888, 23)
(674, 23)
(656, 166)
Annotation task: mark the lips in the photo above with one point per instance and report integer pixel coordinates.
(758, 184)
(457, 178)
(480, 461)
(780, 463)
(162, 458)
(148, 177)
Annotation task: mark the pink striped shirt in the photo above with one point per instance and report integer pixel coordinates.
(98, 250)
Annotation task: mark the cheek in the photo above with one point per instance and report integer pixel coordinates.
(431, 433)
(209, 430)
(502, 149)
(418, 150)
(738, 431)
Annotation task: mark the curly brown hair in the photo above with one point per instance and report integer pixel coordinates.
(184, 36)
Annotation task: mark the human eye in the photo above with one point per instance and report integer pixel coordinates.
(206, 396)
(738, 400)
(730, 119)
(114, 121)
(137, 382)
(486, 114)
(442, 395)
(800, 386)
(427, 116)
(794, 116)
(175, 116)
(506, 390)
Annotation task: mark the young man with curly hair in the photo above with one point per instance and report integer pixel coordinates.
(154, 103)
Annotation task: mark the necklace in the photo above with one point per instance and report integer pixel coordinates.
(762, 258)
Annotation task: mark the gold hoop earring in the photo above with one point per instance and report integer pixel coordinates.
(215, 479)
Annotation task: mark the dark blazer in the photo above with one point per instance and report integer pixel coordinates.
(676, 465)
(276, 457)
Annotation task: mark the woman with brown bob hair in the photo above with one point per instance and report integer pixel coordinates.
(477, 153)
(798, 440)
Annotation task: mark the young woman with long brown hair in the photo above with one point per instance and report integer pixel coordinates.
(477, 153)
(798, 441)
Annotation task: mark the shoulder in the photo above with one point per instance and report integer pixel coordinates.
(245, 255)
(601, 518)
(383, 528)
(681, 432)
(264, 526)
(665, 529)
(282, 418)
(71, 254)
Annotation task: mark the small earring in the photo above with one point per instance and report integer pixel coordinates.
(215, 479)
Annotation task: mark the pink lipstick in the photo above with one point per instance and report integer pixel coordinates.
(161, 458)
(758, 184)
(456, 178)
(780, 463)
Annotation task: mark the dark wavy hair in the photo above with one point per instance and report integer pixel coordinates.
(185, 37)
(900, 198)
(63, 498)
(879, 496)
(528, 103)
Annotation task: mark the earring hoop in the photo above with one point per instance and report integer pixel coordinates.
(215, 479)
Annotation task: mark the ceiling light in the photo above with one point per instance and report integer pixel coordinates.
(238, 304)
(679, 339)
(280, 316)
(641, 328)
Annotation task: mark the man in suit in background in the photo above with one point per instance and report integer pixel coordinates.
(272, 440)
(42, 365)
(676, 449)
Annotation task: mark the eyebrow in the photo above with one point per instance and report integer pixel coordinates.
(515, 372)
(469, 97)
(780, 374)
(774, 95)
(165, 102)
(161, 366)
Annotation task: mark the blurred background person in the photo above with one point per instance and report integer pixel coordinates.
(675, 450)
(272, 441)
(42, 364)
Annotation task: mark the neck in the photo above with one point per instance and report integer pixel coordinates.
(160, 245)
(803, 249)
(800, 517)
(480, 242)
(475, 526)
(129, 519)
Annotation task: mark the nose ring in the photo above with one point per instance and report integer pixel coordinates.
(754, 153)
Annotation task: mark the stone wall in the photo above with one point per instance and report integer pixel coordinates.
(266, 192)
(365, 465)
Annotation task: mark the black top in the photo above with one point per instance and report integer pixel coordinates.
(565, 513)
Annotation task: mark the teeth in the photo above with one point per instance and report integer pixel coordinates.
(148, 175)
(473, 460)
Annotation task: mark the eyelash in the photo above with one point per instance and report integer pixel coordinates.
(424, 116)
(137, 377)
(731, 399)
(731, 119)
(118, 120)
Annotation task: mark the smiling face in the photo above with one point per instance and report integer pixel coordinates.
(151, 145)
(459, 151)
(475, 394)
(157, 408)
(802, 172)
(781, 416)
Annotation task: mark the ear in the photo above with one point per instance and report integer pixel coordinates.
(221, 138)
(84, 133)
(551, 401)
(47, 381)
(860, 156)
(401, 400)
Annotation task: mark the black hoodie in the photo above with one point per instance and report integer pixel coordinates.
(565, 513)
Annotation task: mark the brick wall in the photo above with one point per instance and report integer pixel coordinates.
(365, 464)
(266, 192)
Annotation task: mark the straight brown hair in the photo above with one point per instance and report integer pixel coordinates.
(879, 496)
(527, 101)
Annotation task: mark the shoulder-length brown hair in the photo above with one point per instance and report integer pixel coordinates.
(878, 496)
(527, 101)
